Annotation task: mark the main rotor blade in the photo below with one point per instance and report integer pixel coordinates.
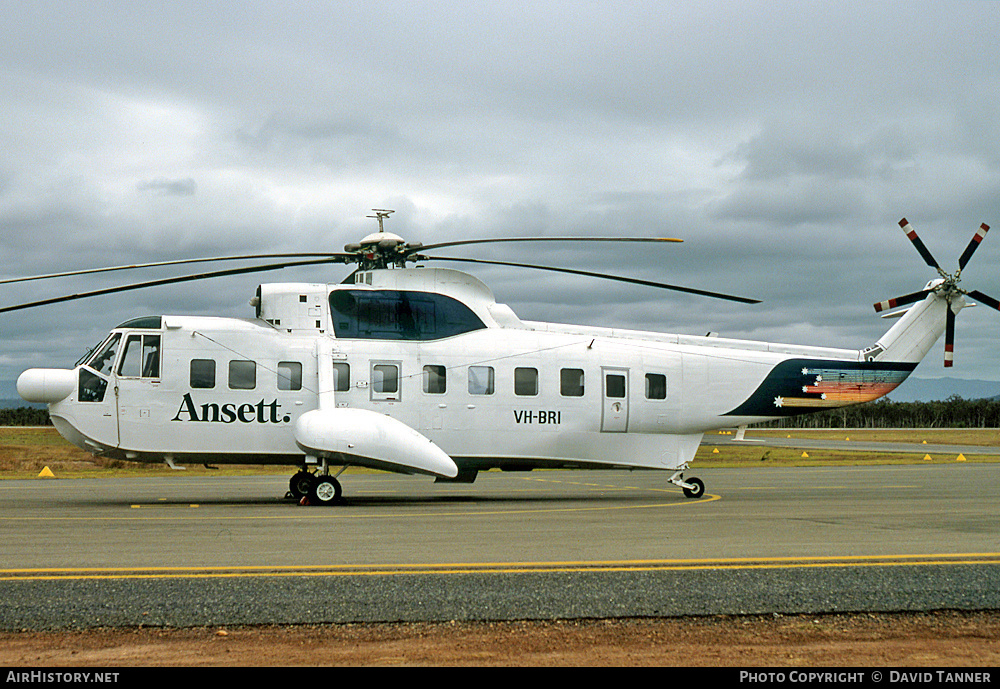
(585, 273)
(949, 337)
(912, 235)
(176, 262)
(499, 240)
(973, 245)
(170, 281)
(900, 301)
(985, 299)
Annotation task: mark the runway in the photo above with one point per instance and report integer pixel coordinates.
(188, 551)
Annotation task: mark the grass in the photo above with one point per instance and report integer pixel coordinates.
(25, 452)
(775, 456)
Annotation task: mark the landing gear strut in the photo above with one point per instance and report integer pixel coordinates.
(692, 487)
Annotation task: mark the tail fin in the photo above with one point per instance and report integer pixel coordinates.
(916, 332)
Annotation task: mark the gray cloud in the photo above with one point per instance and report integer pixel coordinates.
(169, 187)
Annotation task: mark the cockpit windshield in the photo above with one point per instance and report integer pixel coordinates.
(104, 359)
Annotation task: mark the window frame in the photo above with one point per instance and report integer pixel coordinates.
(378, 392)
(290, 381)
(577, 387)
(648, 386)
(145, 341)
(235, 378)
(201, 374)
(491, 383)
(433, 376)
(519, 383)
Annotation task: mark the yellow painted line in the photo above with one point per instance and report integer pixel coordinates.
(502, 568)
(162, 507)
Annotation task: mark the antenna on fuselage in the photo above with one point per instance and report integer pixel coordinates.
(380, 214)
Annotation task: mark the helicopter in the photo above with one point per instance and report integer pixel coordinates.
(419, 370)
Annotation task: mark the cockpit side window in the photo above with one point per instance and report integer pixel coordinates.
(104, 360)
(140, 357)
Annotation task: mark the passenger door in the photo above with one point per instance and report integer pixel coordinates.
(614, 416)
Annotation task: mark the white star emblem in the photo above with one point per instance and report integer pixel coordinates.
(779, 401)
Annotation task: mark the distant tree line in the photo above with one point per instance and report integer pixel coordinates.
(954, 412)
(25, 416)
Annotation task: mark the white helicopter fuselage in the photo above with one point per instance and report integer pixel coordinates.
(421, 371)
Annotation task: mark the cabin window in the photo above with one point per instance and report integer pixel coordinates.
(202, 373)
(399, 315)
(385, 378)
(481, 380)
(614, 385)
(656, 386)
(289, 375)
(341, 376)
(434, 380)
(242, 375)
(526, 381)
(571, 382)
(104, 360)
(140, 357)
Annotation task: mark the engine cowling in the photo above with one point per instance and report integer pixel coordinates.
(373, 439)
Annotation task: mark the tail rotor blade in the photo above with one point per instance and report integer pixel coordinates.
(949, 338)
(899, 301)
(973, 245)
(985, 299)
(912, 236)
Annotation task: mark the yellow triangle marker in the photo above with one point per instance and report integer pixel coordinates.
(924, 442)
(46, 473)
(927, 458)
(805, 454)
(715, 451)
(847, 438)
(960, 458)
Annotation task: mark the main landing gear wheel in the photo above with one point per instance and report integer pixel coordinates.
(300, 484)
(697, 488)
(325, 490)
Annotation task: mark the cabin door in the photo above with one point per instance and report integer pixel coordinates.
(137, 382)
(614, 417)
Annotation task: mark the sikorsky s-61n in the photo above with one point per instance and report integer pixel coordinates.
(420, 371)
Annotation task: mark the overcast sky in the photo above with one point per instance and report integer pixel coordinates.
(781, 141)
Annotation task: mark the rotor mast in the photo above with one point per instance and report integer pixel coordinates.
(380, 214)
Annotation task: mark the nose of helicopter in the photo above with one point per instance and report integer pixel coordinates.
(46, 384)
